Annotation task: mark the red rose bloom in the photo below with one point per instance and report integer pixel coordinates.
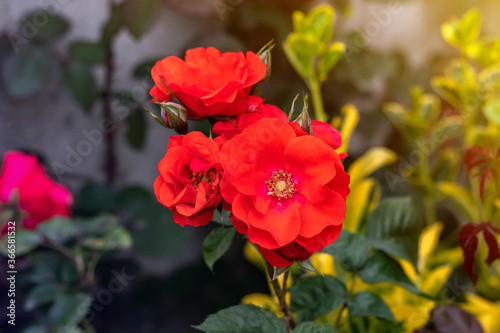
(230, 128)
(40, 198)
(189, 178)
(208, 82)
(287, 191)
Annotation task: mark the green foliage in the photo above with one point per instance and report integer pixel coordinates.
(216, 244)
(139, 14)
(350, 249)
(460, 32)
(114, 23)
(136, 129)
(244, 319)
(492, 110)
(381, 268)
(315, 296)
(25, 72)
(41, 295)
(151, 222)
(88, 52)
(26, 241)
(394, 228)
(310, 52)
(68, 309)
(366, 304)
(95, 198)
(79, 83)
(311, 327)
(57, 230)
(54, 25)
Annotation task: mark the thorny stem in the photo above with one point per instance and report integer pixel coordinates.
(281, 294)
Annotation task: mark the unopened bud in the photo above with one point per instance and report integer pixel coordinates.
(265, 56)
(173, 114)
(303, 119)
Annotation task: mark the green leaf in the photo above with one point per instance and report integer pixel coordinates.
(300, 51)
(25, 72)
(460, 32)
(461, 197)
(144, 69)
(136, 129)
(132, 199)
(40, 295)
(394, 227)
(95, 225)
(448, 89)
(351, 249)
(44, 267)
(139, 15)
(78, 82)
(315, 296)
(366, 304)
(319, 23)
(87, 52)
(57, 230)
(115, 238)
(381, 268)
(69, 309)
(156, 222)
(95, 198)
(47, 26)
(330, 59)
(492, 111)
(113, 24)
(312, 327)
(26, 241)
(216, 244)
(243, 319)
(37, 328)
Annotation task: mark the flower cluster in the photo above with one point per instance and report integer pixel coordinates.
(282, 180)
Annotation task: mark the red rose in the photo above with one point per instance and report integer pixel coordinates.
(230, 128)
(323, 131)
(189, 178)
(208, 82)
(287, 191)
(40, 198)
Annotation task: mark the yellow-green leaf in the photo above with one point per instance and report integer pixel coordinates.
(330, 59)
(320, 21)
(446, 88)
(369, 162)
(300, 50)
(463, 31)
(492, 111)
(346, 125)
(462, 199)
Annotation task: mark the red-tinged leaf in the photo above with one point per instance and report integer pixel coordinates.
(469, 242)
(467, 239)
(493, 250)
(485, 174)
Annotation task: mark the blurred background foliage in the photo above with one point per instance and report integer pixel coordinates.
(386, 54)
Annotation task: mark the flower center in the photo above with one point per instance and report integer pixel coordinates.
(198, 177)
(281, 185)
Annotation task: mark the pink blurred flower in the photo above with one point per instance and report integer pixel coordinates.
(40, 198)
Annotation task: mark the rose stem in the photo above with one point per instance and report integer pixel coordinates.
(281, 294)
